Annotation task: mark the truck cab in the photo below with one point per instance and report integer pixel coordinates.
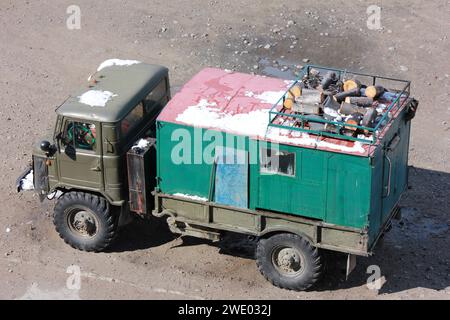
(85, 159)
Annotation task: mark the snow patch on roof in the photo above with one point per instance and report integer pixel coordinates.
(255, 124)
(304, 139)
(188, 196)
(96, 98)
(206, 114)
(289, 83)
(270, 97)
(116, 62)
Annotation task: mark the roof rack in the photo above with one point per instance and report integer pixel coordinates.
(299, 119)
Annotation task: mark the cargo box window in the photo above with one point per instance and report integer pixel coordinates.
(132, 119)
(154, 99)
(277, 162)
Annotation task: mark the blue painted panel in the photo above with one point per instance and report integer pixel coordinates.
(231, 183)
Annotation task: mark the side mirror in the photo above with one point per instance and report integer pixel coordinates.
(46, 146)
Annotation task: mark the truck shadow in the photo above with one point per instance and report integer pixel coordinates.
(414, 254)
(142, 234)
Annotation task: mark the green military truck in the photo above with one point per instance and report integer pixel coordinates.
(272, 159)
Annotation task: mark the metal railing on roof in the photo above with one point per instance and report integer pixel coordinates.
(402, 96)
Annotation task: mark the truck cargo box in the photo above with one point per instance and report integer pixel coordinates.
(346, 181)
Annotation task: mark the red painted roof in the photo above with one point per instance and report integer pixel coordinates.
(226, 89)
(232, 93)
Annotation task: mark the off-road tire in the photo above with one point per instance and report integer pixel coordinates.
(98, 207)
(311, 261)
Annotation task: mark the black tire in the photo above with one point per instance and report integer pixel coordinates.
(85, 221)
(297, 254)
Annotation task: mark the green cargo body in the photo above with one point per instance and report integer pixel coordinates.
(329, 188)
(336, 188)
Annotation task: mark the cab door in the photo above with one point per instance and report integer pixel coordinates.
(80, 155)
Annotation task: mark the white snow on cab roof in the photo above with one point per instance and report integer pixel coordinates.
(116, 62)
(96, 98)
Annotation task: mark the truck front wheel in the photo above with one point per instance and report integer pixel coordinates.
(288, 261)
(84, 221)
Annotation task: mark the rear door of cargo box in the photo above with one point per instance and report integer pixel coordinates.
(395, 166)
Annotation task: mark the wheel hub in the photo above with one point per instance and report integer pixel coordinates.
(84, 223)
(288, 261)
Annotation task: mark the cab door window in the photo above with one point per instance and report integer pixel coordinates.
(80, 135)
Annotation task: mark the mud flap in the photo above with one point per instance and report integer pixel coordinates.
(351, 264)
(40, 172)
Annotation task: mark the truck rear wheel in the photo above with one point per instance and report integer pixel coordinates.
(288, 261)
(84, 221)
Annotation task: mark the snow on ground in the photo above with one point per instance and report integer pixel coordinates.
(188, 196)
(116, 62)
(27, 183)
(96, 98)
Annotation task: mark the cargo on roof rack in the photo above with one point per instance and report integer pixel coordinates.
(333, 124)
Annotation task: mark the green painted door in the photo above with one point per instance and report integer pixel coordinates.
(292, 180)
(395, 174)
(80, 160)
(277, 172)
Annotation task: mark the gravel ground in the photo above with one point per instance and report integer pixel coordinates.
(41, 61)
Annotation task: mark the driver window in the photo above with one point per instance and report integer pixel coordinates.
(82, 135)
